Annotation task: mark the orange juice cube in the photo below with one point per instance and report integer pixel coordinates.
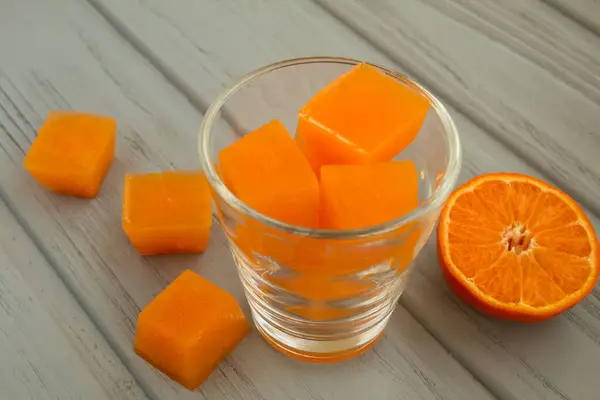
(167, 212)
(189, 328)
(364, 116)
(72, 152)
(322, 286)
(267, 171)
(359, 196)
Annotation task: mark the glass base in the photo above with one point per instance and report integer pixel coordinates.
(318, 351)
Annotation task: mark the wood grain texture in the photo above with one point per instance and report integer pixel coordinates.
(83, 64)
(550, 124)
(585, 12)
(537, 33)
(48, 346)
(554, 360)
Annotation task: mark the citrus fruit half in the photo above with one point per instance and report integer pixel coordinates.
(516, 248)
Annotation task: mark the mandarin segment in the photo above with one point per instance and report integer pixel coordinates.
(567, 271)
(516, 247)
(266, 170)
(364, 116)
(495, 197)
(571, 239)
(552, 212)
(189, 328)
(523, 201)
(473, 234)
(72, 152)
(470, 203)
(465, 216)
(469, 261)
(539, 289)
(501, 280)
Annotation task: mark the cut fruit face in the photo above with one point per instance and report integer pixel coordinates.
(517, 248)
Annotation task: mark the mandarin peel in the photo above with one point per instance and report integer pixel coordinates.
(528, 245)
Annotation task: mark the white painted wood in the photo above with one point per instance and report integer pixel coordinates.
(75, 60)
(553, 360)
(537, 32)
(586, 12)
(49, 349)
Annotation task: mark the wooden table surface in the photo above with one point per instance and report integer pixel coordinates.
(521, 79)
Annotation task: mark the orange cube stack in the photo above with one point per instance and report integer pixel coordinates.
(347, 133)
(189, 328)
(266, 170)
(72, 152)
(358, 196)
(168, 212)
(363, 117)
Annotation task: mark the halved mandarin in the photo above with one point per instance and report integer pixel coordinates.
(517, 248)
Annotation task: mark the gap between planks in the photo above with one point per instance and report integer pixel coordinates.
(583, 20)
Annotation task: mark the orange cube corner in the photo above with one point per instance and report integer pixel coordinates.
(364, 116)
(72, 152)
(266, 170)
(167, 212)
(189, 328)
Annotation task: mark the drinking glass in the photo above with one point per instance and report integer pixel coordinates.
(316, 294)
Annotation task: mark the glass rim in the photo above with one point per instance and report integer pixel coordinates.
(435, 200)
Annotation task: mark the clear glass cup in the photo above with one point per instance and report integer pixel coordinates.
(316, 294)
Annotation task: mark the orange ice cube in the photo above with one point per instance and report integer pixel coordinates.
(72, 152)
(167, 212)
(359, 196)
(364, 116)
(267, 171)
(189, 328)
(322, 286)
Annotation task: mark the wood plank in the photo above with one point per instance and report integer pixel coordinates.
(85, 65)
(516, 362)
(585, 12)
(537, 32)
(550, 124)
(43, 327)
